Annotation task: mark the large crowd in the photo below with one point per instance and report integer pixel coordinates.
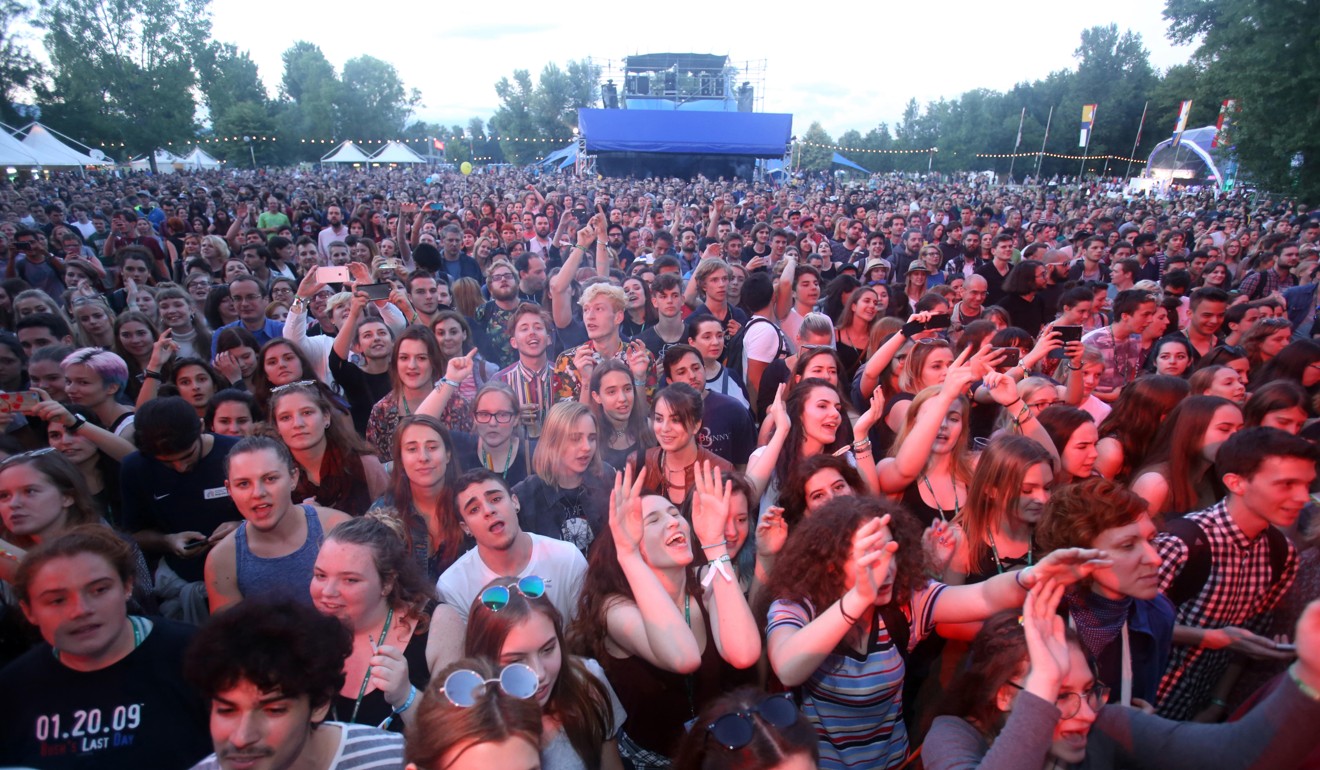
(364, 468)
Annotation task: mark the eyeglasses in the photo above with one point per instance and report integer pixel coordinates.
(501, 418)
(1044, 404)
(500, 277)
(289, 385)
(245, 297)
(734, 731)
(464, 685)
(497, 598)
(1070, 703)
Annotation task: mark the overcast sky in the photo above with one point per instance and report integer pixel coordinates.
(846, 64)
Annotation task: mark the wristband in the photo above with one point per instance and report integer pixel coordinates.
(851, 620)
(714, 545)
(150, 375)
(449, 382)
(1306, 689)
(1017, 578)
(78, 422)
(718, 565)
(412, 696)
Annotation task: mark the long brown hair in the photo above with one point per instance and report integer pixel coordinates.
(961, 466)
(67, 479)
(995, 488)
(1137, 414)
(1177, 444)
(450, 546)
(578, 699)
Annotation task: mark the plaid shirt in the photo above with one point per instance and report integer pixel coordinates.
(1273, 281)
(1241, 590)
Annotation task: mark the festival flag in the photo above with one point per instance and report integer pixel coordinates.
(1183, 112)
(1088, 120)
(439, 145)
(1018, 142)
(1225, 123)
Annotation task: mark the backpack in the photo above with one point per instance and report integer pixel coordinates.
(1196, 571)
(734, 350)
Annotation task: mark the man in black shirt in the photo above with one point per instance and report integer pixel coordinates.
(104, 689)
(363, 385)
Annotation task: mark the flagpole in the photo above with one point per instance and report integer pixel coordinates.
(1140, 126)
(1016, 144)
(1040, 155)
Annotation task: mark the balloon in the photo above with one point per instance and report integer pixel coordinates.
(466, 168)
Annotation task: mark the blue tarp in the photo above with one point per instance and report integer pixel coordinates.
(757, 134)
(842, 161)
(560, 158)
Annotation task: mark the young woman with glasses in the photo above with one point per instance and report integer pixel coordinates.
(581, 715)
(1030, 698)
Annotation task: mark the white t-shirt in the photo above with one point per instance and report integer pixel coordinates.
(789, 326)
(559, 563)
(761, 343)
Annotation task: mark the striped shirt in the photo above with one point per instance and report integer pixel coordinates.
(361, 747)
(1241, 590)
(855, 701)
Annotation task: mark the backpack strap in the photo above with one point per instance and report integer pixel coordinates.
(899, 627)
(1196, 570)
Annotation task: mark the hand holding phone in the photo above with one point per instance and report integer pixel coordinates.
(332, 274)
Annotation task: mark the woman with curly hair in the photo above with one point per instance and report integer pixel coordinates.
(850, 596)
(365, 577)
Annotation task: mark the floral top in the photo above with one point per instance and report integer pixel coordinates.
(386, 416)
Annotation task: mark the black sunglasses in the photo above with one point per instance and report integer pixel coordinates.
(734, 731)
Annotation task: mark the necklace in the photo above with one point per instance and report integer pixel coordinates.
(994, 552)
(366, 678)
(926, 479)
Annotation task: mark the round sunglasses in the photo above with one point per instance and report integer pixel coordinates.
(497, 598)
(463, 686)
(735, 730)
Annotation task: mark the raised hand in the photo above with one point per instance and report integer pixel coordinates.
(227, 365)
(1003, 389)
(771, 532)
(162, 350)
(779, 413)
(584, 359)
(626, 512)
(1065, 566)
(874, 410)
(872, 550)
(711, 501)
(389, 674)
(940, 541)
(1047, 646)
(460, 368)
(639, 359)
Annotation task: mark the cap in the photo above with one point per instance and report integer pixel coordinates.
(918, 265)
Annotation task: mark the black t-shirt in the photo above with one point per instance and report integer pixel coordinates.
(361, 389)
(137, 713)
(994, 283)
(727, 429)
(159, 498)
(656, 344)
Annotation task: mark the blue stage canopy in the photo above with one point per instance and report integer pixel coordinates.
(755, 134)
(842, 161)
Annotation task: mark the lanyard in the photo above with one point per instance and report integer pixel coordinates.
(940, 508)
(687, 679)
(366, 678)
(1125, 662)
(999, 565)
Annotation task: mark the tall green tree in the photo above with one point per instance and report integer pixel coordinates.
(19, 71)
(373, 103)
(812, 156)
(227, 77)
(123, 71)
(1262, 53)
(514, 120)
(309, 91)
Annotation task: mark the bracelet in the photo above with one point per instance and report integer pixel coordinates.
(150, 375)
(860, 447)
(714, 545)
(1306, 689)
(412, 696)
(78, 422)
(718, 565)
(1017, 578)
(851, 620)
(449, 382)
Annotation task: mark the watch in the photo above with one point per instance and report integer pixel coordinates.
(78, 422)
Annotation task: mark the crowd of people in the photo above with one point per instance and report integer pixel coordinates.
(374, 468)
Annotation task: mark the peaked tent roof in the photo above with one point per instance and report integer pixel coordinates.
(200, 158)
(165, 162)
(842, 161)
(13, 153)
(346, 153)
(41, 142)
(397, 152)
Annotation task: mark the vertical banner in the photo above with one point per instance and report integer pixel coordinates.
(1088, 120)
(1018, 142)
(1224, 124)
(1183, 112)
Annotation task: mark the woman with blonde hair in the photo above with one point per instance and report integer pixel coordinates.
(568, 496)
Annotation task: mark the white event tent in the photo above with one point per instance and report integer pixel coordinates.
(50, 151)
(397, 152)
(346, 153)
(199, 159)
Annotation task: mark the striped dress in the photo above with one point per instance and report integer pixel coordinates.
(855, 701)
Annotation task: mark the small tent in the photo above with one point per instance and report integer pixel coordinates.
(199, 159)
(1194, 161)
(397, 152)
(346, 153)
(166, 162)
(50, 151)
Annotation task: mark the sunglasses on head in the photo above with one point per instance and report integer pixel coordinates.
(462, 687)
(735, 730)
(289, 385)
(497, 598)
